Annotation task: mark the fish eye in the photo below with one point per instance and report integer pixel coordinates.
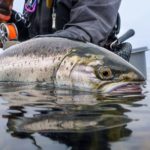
(105, 72)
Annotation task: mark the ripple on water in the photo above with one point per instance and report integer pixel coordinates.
(64, 115)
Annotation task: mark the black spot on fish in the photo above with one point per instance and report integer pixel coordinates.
(45, 69)
(66, 68)
(52, 78)
(54, 69)
(7, 75)
(37, 80)
(64, 62)
(32, 70)
(43, 57)
(49, 50)
(71, 64)
(56, 48)
(19, 74)
(30, 47)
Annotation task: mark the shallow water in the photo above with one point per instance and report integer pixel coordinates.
(38, 117)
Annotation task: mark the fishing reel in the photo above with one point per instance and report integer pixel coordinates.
(118, 45)
(8, 32)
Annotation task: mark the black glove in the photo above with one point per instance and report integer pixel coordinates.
(71, 33)
(123, 50)
(21, 25)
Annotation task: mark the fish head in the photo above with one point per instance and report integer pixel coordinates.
(98, 69)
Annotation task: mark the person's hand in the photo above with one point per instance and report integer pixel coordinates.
(5, 10)
(61, 34)
(69, 33)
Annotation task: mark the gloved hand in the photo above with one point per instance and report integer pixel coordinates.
(71, 33)
(5, 10)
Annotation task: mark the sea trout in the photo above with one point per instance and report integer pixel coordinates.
(69, 64)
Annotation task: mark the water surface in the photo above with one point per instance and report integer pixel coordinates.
(38, 117)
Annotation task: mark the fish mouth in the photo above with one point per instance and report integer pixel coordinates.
(122, 88)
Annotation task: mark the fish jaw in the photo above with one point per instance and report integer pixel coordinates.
(122, 88)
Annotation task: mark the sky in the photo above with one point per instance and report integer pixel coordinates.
(134, 15)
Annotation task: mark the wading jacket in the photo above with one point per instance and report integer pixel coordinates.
(85, 20)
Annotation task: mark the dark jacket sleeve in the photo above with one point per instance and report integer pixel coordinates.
(23, 33)
(91, 20)
(40, 22)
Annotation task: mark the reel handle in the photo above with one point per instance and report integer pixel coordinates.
(123, 38)
(126, 36)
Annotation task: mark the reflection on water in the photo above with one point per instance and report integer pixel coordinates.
(40, 117)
